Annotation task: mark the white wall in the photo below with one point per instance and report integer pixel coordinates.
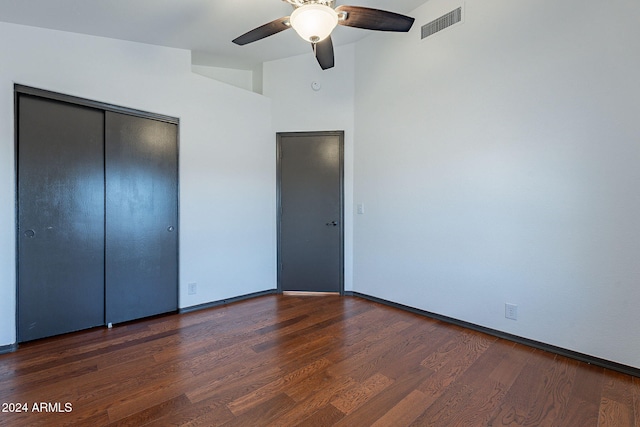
(498, 161)
(227, 160)
(297, 107)
(238, 78)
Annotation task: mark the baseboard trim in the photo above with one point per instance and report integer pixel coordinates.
(592, 360)
(309, 294)
(4, 349)
(226, 301)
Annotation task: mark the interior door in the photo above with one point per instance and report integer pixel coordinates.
(310, 198)
(141, 259)
(60, 217)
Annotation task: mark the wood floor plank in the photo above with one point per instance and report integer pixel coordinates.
(297, 360)
(376, 405)
(522, 397)
(204, 413)
(636, 400)
(584, 400)
(617, 404)
(209, 419)
(551, 405)
(404, 412)
(151, 412)
(472, 396)
(326, 416)
(268, 391)
(451, 361)
(512, 360)
(314, 394)
(367, 362)
(357, 395)
(264, 413)
(237, 383)
(614, 413)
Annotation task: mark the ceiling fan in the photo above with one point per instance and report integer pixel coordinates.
(314, 20)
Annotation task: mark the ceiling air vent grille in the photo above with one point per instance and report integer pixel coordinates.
(441, 23)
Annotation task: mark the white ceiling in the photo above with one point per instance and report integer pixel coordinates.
(205, 27)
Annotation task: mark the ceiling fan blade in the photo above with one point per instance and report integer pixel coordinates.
(263, 31)
(324, 53)
(374, 19)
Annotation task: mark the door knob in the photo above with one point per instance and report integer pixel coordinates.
(170, 228)
(30, 233)
(332, 224)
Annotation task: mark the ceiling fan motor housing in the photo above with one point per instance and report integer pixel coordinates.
(314, 22)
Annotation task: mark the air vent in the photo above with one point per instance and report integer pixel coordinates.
(441, 23)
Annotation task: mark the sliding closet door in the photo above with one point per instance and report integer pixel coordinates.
(141, 217)
(60, 217)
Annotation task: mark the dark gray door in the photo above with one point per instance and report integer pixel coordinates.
(141, 217)
(310, 231)
(60, 217)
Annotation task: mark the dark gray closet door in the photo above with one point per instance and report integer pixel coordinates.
(310, 231)
(141, 217)
(60, 218)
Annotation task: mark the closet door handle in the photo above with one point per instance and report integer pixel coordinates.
(30, 234)
(170, 228)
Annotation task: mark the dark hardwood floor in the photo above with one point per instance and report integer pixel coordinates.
(308, 361)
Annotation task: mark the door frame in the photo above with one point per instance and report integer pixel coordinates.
(279, 136)
(18, 90)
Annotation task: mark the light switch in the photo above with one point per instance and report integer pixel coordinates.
(361, 208)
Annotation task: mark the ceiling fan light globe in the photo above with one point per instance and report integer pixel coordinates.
(314, 22)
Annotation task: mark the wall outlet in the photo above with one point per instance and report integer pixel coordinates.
(192, 288)
(511, 311)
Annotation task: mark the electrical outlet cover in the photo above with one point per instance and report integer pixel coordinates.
(192, 289)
